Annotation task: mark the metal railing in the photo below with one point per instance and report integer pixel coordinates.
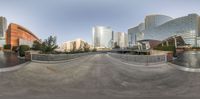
(140, 58)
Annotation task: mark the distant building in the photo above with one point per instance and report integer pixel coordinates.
(120, 40)
(17, 35)
(74, 45)
(102, 37)
(3, 26)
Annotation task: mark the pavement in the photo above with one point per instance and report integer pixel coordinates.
(98, 77)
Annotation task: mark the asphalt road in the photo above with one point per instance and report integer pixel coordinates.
(98, 77)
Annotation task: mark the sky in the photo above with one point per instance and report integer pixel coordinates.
(71, 19)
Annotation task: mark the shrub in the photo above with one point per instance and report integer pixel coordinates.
(22, 49)
(94, 50)
(167, 48)
(7, 46)
(195, 47)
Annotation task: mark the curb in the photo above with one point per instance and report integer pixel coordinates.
(13, 68)
(182, 68)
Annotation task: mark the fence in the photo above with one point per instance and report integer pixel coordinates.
(56, 57)
(140, 58)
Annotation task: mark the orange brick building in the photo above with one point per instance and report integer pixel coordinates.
(17, 35)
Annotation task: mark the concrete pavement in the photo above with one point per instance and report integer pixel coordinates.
(97, 77)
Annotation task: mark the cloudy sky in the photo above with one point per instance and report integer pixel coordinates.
(71, 19)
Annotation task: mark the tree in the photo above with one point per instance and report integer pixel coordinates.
(49, 45)
(37, 45)
(23, 49)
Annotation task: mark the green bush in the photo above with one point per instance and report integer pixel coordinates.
(195, 47)
(94, 50)
(22, 49)
(167, 48)
(7, 46)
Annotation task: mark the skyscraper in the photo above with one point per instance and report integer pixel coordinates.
(102, 37)
(3, 26)
(121, 39)
(161, 27)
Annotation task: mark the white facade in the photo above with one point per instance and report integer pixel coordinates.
(77, 44)
(121, 39)
(102, 37)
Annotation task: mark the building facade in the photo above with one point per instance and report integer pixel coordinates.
(187, 27)
(135, 34)
(121, 40)
(17, 35)
(102, 37)
(3, 27)
(152, 21)
(74, 45)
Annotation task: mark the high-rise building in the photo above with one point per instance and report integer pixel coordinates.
(135, 34)
(3, 26)
(186, 27)
(102, 37)
(17, 35)
(121, 39)
(152, 21)
(74, 45)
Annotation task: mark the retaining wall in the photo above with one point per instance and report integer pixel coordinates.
(57, 57)
(140, 58)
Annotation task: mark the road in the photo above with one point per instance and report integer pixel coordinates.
(97, 77)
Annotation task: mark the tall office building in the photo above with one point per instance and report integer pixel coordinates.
(186, 27)
(121, 39)
(102, 37)
(135, 34)
(3, 26)
(152, 21)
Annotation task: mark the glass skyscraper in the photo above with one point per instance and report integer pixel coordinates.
(188, 27)
(3, 27)
(102, 37)
(120, 39)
